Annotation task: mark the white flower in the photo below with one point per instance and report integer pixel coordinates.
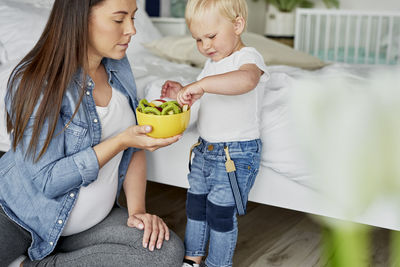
(349, 129)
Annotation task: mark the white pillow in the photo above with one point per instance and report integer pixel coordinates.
(36, 3)
(145, 30)
(281, 151)
(20, 29)
(23, 21)
(182, 49)
(3, 54)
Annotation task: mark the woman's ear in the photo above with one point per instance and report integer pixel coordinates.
(239, 25)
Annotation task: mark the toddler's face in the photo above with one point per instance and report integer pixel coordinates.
(216, 36)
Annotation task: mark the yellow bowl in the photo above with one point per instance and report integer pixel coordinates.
(164, 125)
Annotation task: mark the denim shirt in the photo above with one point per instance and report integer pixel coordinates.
(40, 196)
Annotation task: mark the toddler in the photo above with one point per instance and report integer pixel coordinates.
(227, 155)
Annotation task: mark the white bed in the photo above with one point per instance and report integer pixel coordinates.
(283, 181)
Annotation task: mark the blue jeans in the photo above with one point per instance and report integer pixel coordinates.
(210, 205)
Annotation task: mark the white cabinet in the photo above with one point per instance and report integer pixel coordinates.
(170, 26)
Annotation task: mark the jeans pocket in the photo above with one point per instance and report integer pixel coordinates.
(247, 167)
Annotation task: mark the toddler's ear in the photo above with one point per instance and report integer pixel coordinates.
(239, 25)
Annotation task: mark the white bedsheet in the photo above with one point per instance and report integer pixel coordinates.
(284, 179)
(5, 71)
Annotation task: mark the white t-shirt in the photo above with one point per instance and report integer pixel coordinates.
(226, 118)
(96, 200)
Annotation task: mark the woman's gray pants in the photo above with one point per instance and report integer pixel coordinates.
(109, 243)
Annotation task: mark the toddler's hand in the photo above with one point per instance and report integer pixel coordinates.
(170, 89)
(189, 94)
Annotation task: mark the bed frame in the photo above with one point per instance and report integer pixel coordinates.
(350, 36)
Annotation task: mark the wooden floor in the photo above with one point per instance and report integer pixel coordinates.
(268, 236)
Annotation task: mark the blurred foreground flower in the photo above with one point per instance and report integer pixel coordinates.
(349, 130)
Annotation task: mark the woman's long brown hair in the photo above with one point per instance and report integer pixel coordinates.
(46, 71)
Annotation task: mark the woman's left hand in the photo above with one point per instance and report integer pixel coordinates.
(155, 229)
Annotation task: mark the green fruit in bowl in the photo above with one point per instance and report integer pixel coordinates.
(161, 107)
(169, 121)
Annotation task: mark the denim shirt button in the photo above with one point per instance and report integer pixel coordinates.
(95, 120)
(72, 195)
(89, 84)
(60, 221)
(51, 243)
(87, 92)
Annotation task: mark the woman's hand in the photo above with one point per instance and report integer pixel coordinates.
(170, 89)
(155, 229)
(135, 136)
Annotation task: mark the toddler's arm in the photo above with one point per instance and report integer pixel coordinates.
(231, 83)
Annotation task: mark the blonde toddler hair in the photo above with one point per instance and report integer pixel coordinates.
(230, 9)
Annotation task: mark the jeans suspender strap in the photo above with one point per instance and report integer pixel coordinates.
(190, 155)
(231, 170)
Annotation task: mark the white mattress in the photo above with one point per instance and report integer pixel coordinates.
(287, 184)
(169, 165)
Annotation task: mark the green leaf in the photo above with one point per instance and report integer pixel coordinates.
(290, 5)
(306, 4)
(331, 3)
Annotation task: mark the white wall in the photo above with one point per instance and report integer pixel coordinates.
(381, 5)
(256, 22)
(256, 18)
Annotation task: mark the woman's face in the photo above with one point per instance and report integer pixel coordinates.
(111, 26)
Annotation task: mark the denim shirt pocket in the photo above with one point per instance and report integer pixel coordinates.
(74, 135)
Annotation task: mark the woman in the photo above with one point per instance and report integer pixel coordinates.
(70, 110)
